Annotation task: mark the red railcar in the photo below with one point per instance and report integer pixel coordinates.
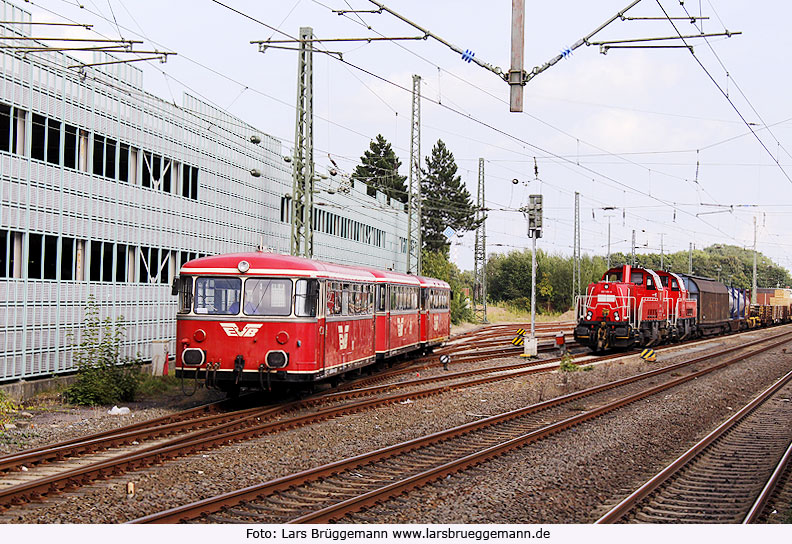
(254, 319)
(435, 316)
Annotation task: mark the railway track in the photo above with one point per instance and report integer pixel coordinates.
(724, 478)
(69, 464)
(330, 492)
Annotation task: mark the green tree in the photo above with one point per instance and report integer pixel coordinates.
(445, 200)
(379, 170)
(436, 264)
(509, 279)
(733, 265)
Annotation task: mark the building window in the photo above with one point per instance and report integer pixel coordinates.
(19, 134)
(5, 127)
(110, 159)
(98, 155)
(153, 265)
(123, 162)
(67, 258)
(38, 137)
(50, 257)
(285, 211)
(53, 141)
(42, 257)
(70, 147)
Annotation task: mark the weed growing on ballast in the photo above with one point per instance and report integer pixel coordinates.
(104, 376)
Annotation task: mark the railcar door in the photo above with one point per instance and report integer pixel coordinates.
(321, 326)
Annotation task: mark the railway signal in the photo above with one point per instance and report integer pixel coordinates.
(533, 213)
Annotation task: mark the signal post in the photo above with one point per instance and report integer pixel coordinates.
(533, 212)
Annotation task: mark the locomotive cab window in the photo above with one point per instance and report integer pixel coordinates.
(268, 296)
(614, 277)
(217, 296)
(674, 285)
(650, 285)
(636, 277)
(306, 297)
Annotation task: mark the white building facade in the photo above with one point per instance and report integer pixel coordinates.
(105, 191)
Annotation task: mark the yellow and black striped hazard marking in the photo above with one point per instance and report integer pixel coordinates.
(649, 355)
(518, 340)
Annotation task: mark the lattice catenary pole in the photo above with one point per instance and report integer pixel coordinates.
(303, 180)
(414, 204)
(480, 255)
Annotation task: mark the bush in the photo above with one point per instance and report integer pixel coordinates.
(568, 364)
(7, 407)
(103, 375)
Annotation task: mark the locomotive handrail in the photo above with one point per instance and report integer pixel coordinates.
(624, 305)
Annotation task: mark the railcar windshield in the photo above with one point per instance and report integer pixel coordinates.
(217, 296)
(264, 296)
(614, 277)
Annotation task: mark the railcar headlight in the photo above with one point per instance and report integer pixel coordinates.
(193, 356)
(277, 359)
(243, 266)
(615, 316)
(589, 315)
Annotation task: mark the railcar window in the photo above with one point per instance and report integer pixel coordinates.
(650, 283)
(614, 277)
(636, 277)
(674, 285)
(382, 300)
(306, 296)
(268, 296)
(185, 292)
(345, 299)
(334, 297)
(217, 296)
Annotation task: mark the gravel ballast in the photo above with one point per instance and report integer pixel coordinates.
(564, 479)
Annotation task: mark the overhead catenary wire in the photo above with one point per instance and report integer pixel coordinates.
(359, 134)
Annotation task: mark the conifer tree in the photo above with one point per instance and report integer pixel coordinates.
(379, 170)
(445, 200)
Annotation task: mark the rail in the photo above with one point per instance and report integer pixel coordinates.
(629, 503)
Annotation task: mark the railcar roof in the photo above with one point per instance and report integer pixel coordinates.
(273, 263)
(432, 282)
(288, 265)
(389, 276)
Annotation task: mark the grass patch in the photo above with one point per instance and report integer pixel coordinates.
(152, 386)
(505, 313)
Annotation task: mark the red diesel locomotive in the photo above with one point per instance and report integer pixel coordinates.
(256, 319)
(633, 306)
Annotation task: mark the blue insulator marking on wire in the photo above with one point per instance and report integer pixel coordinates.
(468, 55)
(566, 53)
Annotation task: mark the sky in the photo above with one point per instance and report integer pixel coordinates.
(683, 147)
